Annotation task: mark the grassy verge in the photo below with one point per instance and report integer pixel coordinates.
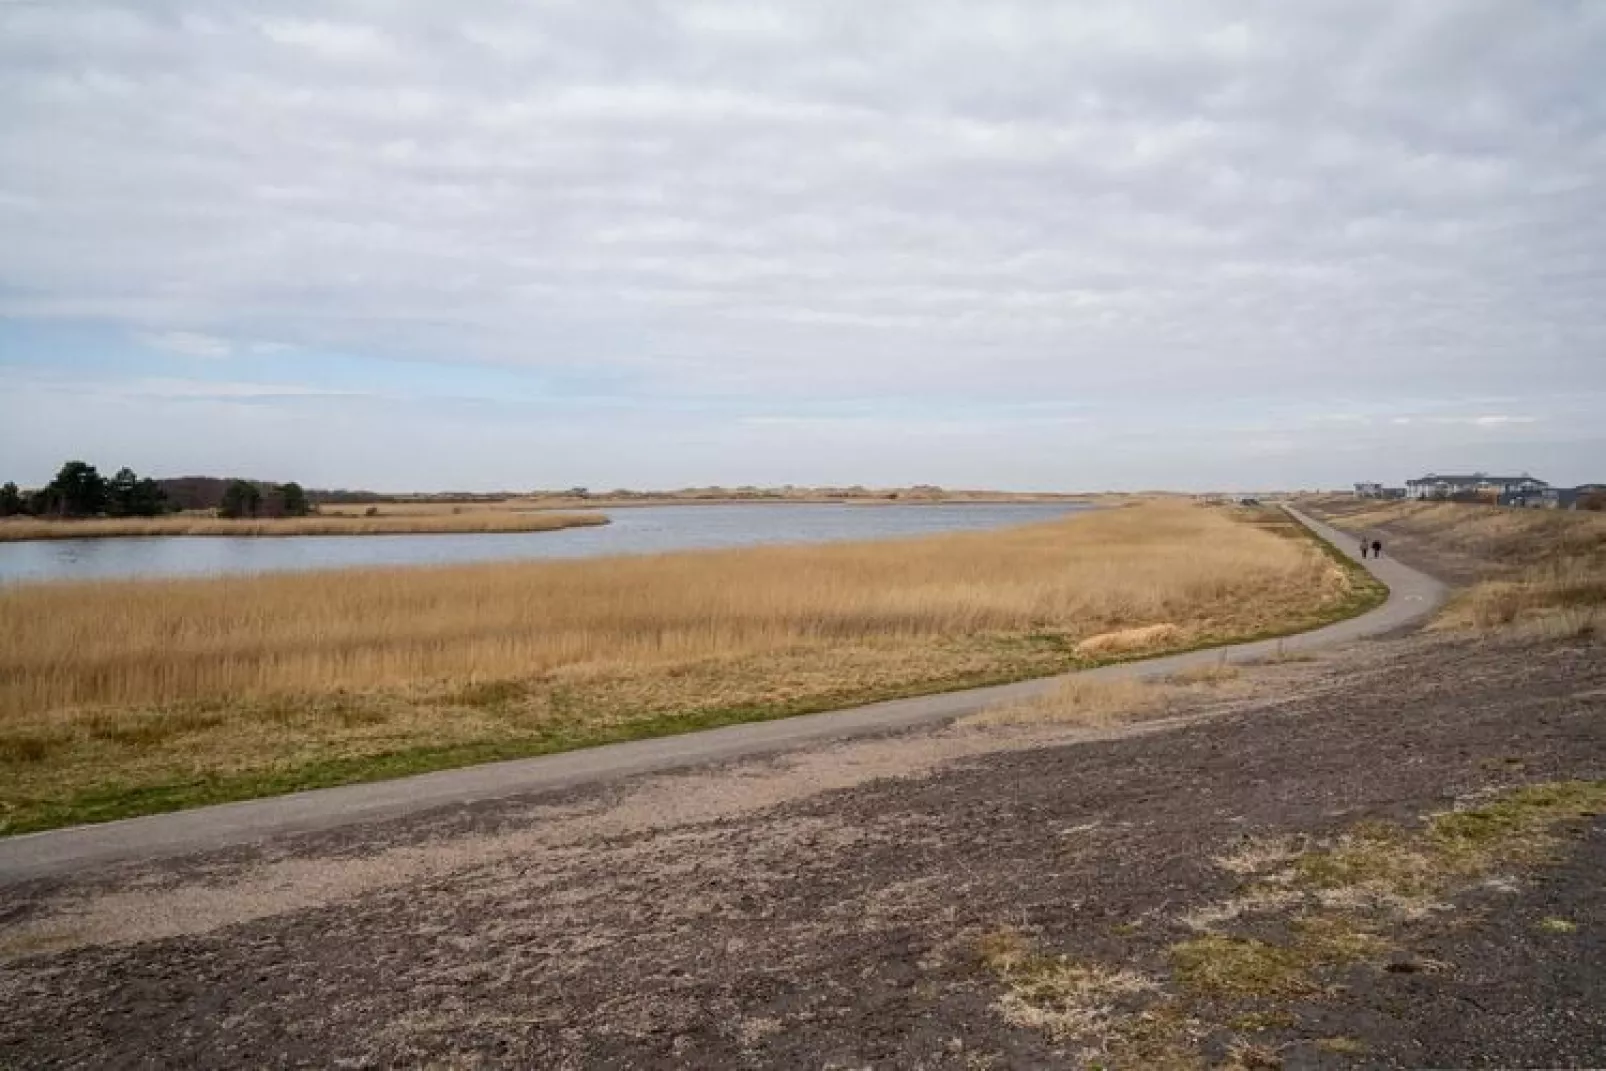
(466, 523)
(141, 698)
(1526, 568)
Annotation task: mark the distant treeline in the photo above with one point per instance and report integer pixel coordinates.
(325, 497)
(238, 498)
(79, 490)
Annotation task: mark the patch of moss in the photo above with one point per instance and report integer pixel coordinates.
(1219, 966)
(1516, 818)
(1372, 854)
(1260, 1022)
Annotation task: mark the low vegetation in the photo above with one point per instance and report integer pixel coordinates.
(1531, 568)
(323, 524)
(1092, 701)
(129, 697)
(1258, 966)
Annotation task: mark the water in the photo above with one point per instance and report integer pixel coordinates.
(640, 530)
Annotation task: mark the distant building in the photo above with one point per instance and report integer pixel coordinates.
(1544, 498)
(1479, 484)
(1368, 490)
(1591, 496)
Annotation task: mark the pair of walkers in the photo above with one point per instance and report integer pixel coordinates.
(1375, 546)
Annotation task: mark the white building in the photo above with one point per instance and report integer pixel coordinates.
(1479, 483)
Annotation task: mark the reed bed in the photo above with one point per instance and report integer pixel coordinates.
(421, 522)
(139, 683)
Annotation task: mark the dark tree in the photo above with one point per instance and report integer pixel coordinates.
(11, 502)
(120, 493)
(129, 496)
(295, 500)
(240, 499)
(149, 498)
(78, 490)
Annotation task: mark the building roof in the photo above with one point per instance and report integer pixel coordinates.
(1476, 478)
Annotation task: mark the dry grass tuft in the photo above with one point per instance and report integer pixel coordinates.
(1215, 965)
(1087, 702)
(1063, 999)
(334, 524)
(1129, 640)
(1214, 674)
(1256, 855)
(1246, 1056)
(1094, 702)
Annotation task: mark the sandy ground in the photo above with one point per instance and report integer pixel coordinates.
(823, 910)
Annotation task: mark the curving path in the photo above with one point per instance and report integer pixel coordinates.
(1413, 596)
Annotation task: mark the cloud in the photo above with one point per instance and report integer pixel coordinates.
(221, 390)
(188, 343)
(1337, 205)
(330, 40)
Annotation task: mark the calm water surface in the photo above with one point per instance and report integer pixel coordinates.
(643, 530)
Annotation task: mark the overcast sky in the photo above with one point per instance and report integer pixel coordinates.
(502, 244)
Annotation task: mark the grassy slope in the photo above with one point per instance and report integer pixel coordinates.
(1544, 568)
(124, 783)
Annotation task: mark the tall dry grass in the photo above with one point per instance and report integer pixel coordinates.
(384, 523)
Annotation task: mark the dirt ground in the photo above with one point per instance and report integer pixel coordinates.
(826, 910)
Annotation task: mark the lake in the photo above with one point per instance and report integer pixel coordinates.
(636, 530)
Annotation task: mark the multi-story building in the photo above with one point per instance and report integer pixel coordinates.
(1494, 488)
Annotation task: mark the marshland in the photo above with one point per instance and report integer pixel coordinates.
(133, 696)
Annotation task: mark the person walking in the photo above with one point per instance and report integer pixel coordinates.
(1377, 548)
(1364, 546)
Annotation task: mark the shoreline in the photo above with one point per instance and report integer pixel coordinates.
(628, 503)
(478, 523)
